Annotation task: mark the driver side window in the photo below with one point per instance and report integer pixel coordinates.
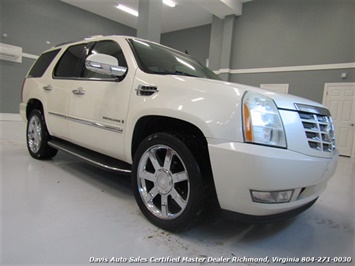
(108, 48)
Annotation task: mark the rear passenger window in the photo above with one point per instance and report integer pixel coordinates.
(42, 63)
(70, 65)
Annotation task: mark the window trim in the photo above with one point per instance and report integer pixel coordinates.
(81, 66)
(113, 78)
(89, 47)
(57, 51)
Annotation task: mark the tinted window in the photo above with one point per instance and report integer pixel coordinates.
(158, 59)
(42, 63)
(109, 48)
(70, 65)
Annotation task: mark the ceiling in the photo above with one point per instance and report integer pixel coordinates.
(186, 13)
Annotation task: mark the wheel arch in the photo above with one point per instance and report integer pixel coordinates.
(187, 132)
(33, 104)
(195, 141)
(151, 124)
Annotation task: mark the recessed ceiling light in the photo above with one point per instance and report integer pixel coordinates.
(128, 10)
(169, 3)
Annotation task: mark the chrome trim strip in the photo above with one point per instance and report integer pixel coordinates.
(89, 160)
(312, 109)
(89, 123)
(59, 115)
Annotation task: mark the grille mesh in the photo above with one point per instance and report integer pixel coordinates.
(319, 131)
(146, 90)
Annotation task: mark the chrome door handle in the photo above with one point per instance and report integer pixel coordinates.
(78, 91)
(47, 88)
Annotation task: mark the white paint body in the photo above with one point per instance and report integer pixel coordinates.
(215, 107)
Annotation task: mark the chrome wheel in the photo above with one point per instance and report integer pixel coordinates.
(38, 137)
(167, 181)
(34, 134)
(163, 182)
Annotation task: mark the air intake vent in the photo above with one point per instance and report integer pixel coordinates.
(319, 130)
(146, 90)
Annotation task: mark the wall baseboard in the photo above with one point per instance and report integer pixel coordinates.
(10, 117)
(286, 69)
(31, 56)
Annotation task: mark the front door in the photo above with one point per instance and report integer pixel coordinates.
(98, 106)
(340, 99)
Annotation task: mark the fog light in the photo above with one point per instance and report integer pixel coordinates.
(271, 196)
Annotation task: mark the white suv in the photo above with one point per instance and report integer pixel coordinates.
(187, 138)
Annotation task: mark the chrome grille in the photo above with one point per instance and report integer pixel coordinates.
(319, 131)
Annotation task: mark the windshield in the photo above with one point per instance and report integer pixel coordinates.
(156, 59)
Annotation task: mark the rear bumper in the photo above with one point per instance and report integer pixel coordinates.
(239, 168)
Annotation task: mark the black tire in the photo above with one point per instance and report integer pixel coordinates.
(37, 137)
(167, 182)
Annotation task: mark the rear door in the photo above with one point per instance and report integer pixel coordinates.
(59, 87)
(98, 106)
(40, 78)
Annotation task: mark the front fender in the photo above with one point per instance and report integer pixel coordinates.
(212, 106)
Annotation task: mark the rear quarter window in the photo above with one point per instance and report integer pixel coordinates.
(42, 63)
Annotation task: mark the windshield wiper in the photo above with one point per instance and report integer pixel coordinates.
(181, 73)
(184, 74)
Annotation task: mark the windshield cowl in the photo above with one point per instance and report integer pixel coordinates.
(178, 73)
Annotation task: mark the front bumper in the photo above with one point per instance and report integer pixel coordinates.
(239, 168)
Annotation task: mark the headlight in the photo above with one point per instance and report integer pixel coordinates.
(262, 121)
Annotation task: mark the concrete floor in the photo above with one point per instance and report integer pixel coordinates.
(64, 211)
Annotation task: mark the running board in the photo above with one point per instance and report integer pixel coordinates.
(92, 157)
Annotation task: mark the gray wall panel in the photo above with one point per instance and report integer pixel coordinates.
(270, 33)
(12, 77)
(307, 84)
(195, 40)
(276, 33)
(287, 33)
(216, 41)
(30, 24)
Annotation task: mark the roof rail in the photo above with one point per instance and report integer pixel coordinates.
(93, 37)
(63, 43)
(77, 40)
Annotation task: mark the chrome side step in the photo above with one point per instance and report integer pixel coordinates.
(92, 157)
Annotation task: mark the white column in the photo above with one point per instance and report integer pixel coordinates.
(149, 20)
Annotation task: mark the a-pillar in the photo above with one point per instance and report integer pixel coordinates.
(149, 20)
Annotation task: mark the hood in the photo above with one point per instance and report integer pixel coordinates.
(229, 90)
(283, 101)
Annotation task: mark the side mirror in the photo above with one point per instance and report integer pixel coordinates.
(104, 64)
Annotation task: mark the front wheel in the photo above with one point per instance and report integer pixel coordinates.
(167, 182)
(38, 136)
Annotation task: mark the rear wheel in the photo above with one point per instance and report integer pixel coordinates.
(38, 136)
(167, 182)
